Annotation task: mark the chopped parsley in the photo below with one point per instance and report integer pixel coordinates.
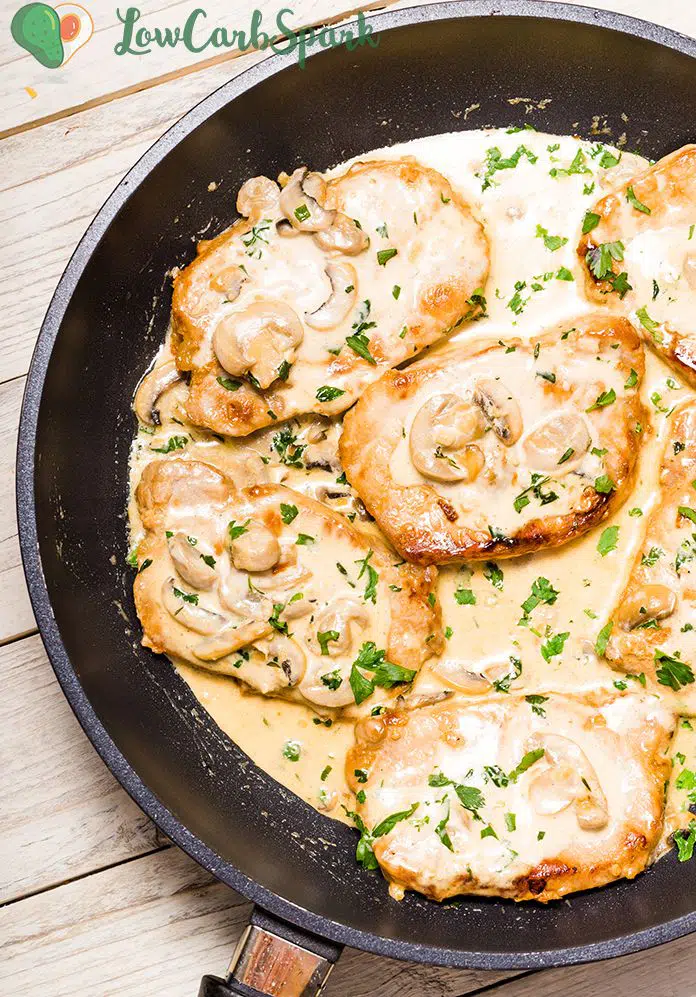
(332, 680)
(495, 161)
(385, 674)
(590, 221)
(553, 645)
(173, 443)
(672, 671)
(358, 341)
(237, 531)
(635, 203)
(288, 449)
(327, 393)
(552, 242)
(292, 751)
(384, 255)
(493, 574)
(372, 577)
(465, 597)
(536, 702)
(608, 540)
(229, 383)
(606, 398)
(603, 639)
(324, 636)
(526, 763)
(288, 512)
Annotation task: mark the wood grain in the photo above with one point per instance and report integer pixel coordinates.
(30, 93)
(62, 813)
(97, 902)
(667, 971)
(163, 922)
(62, 173)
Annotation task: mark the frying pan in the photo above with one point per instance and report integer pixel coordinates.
(104, 323)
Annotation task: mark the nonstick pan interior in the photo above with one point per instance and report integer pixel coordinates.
(108, 316)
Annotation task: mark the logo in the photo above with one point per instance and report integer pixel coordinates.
(52, 34)
(193, 35)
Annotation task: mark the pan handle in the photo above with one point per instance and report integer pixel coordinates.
(274, 958)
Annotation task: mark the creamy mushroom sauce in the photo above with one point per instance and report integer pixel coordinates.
(532, 211)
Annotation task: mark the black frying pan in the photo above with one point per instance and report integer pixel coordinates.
(431, 63)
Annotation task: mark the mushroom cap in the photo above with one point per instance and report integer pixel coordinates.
(147, 394)
(546, 444)
(257, 549)
(441, 436)
(500, 408)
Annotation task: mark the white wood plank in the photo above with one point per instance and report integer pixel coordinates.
(60, 176)
(62, 814)
(162, 922)
(31, 92)
(667, 971)
(16, 616)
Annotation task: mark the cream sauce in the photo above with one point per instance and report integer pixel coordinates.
(532, 213)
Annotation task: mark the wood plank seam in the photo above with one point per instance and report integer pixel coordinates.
(84, 875)
(499, 984)
(215, 60)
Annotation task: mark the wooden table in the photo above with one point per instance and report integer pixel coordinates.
(97, 902)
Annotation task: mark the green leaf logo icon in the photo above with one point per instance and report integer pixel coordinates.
(52, 34)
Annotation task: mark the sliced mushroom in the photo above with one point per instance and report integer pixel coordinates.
(194, 561)
(258, 340)
(287, 573)
(569, 778)
(650, 602)
(440, 441)
(546, 446)
(344, 293)
(257, 549)
(301, 202)
(339, 618)
(554, 790)
(285, 653)
(149, 390)
(257, 196)
(500, 409)
(285, 229)
(243, 467)
(690, 270)
(184, 609)
(242, 600)
(230, 639)
(229, 282)
(323, 693)
(344, 235)
(456, 674)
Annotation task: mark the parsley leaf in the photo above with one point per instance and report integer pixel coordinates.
(553, 645)
(590, 221)
(327, 393)
(601, 259)
(465, 597)
(603, 639)
(635, 203)
(672, 671)
(527, 761)
(552, 242)
(288, 512)
(606, 398)
(608, 540)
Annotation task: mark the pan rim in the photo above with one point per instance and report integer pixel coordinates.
(28, 533)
